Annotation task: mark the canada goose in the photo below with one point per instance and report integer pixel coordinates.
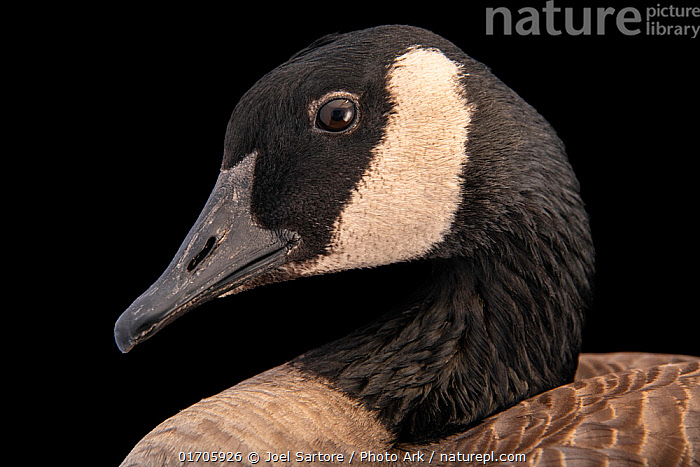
(391, 145)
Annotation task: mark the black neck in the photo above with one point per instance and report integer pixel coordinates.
(481, 336)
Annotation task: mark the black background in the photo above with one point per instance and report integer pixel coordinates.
(132, 108)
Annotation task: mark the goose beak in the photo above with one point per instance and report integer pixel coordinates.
(223, 250)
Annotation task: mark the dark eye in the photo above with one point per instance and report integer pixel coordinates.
(336, 115)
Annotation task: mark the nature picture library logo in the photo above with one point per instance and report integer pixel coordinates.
(554, 20)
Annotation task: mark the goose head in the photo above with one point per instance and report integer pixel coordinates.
(391, 145)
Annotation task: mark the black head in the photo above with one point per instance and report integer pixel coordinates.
(305, 173)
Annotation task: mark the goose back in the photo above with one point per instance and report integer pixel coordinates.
(618, 411)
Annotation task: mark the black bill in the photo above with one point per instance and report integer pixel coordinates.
(223, 250)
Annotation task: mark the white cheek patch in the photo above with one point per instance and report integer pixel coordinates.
(406, 201)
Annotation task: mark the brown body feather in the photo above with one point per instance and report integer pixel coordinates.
(623, 409)
(637, 416)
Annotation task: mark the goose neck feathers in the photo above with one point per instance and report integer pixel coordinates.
(459, 349)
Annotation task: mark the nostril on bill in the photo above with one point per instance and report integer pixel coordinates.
(202, 254)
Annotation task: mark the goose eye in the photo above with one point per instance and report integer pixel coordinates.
(336, 115)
